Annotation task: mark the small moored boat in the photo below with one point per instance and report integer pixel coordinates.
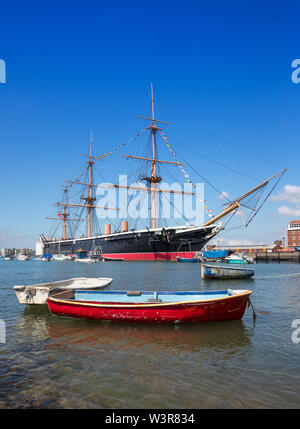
(22, 257)
(60, 257)
(151, 307)
(235, 259)
(222, 272)
(187, 259)
(47, 257)
(38, 293)
(83, 256)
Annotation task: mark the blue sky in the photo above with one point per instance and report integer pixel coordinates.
(222, 77)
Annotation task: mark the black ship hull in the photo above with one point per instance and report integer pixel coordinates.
(146, 245)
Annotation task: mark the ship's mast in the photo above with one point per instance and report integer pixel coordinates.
(89, 199)
(153, 179)
(65, 209)
(65, 215)
(153, 165)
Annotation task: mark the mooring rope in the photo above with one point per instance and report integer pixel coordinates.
(253, 311)
(281, 275)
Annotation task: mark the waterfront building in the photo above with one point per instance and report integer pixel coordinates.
(249, 248)
(7, 251)
(293, 233)
(39, 248)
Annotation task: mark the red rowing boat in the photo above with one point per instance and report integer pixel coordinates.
(152, 307)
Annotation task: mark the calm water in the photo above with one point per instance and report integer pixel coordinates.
(49, 361)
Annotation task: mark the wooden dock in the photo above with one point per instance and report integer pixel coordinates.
(278, 257)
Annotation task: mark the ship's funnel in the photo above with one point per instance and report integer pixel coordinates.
(124, 226)
(107, 228)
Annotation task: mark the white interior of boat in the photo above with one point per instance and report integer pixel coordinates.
(156, 296)
(226, 267)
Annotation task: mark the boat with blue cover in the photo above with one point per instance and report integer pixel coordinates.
(151, 306)
(47, 257)
(214, 255)
(84, 256)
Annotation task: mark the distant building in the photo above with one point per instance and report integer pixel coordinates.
(293, 233)
(249, 248)
(279, 242)
(39, 248)
(13, 251)
(7, 252)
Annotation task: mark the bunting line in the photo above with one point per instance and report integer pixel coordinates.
(109, 153)
(184, 172)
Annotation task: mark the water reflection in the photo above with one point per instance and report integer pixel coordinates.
(218, 284)
(64, 332)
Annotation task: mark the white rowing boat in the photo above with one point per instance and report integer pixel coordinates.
(38, 293)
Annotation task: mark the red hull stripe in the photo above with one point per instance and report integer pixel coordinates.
(150, 256)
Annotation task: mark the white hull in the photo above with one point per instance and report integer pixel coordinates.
(23, 258)
(38, 294)
(87, 260)
(237, 259)
(62, 258)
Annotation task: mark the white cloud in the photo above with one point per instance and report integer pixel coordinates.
(233, 242)
(290, 194)
(223, 195)
(243, 242)
(288, 211)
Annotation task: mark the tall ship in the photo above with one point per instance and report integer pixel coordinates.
(154, 241)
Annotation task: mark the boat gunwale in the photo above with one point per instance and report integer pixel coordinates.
(227, 268)
(163, 304)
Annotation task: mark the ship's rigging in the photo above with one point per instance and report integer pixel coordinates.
(152, 180)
